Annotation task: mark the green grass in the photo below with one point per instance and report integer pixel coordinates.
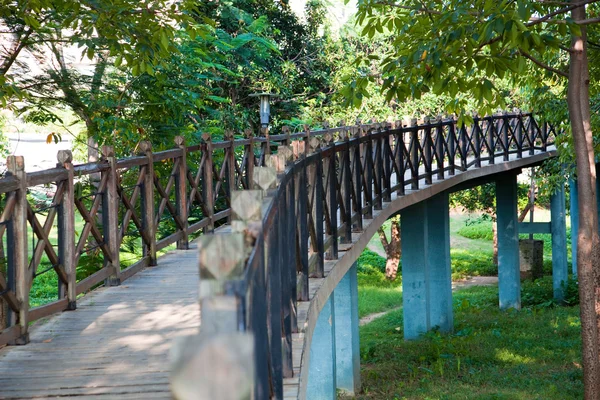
(45, 286)
(376, 293)
(479, 229)
(493, 354)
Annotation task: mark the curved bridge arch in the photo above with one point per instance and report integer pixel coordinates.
(336, 194)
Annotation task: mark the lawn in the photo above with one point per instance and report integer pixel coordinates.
(529, 354)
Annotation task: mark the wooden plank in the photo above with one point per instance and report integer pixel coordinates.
(166, 154)
(92, 280)
(134, 269)
(66, 229)
(172, 238)
(8, 184)
(48, 309)
(130, 162)
(46, 176)
(17, 248)
(90, 168)
(10, 335)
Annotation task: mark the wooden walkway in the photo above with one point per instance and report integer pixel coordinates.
(115, 345)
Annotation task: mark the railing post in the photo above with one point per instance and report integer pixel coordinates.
(387, 163)
(17, 247)
(249, 154)
(207, 182)
(110, 215)
(476, 135)
(414, 154)
(181, 193)
(439, 147)
(346, 183)
(544, 135)
(315, 181)
(427, 147)
(505, 137)
(275, 323)
(287, 302)
(357, 226)
(266, 146)
(464, 146)
(286, 131)
(400, 149)
(378, 168)
(451, 145)
(149, 249)
(230, 172)
(491, 140)
(330, 169)
(66, 229)
(519, 134)
(302, 230)
(366, 132)
(531, 134)
(292, 253)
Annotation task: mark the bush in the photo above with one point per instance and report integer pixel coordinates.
(540, 293)
(470, 263)
(370, 261)
(479, 229)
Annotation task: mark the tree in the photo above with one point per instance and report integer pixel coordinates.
(392, 247)
(453, 47)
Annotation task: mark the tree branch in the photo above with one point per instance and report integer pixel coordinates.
(543, 65)
(560, 11)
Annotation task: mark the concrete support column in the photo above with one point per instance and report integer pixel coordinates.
(426, 277)
(574, 198)
(347, 347)
(438, 255)
(509, 276)
(321, 383)
(560, 269)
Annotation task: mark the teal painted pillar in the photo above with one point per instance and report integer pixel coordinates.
(321, 383)
(426, 277)
(413, 226)
(439, 265)
(347, 345)
(509, 275)
(573, 200)
(558, 226)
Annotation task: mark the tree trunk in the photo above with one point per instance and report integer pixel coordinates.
(587, 235)
(394, 251)
(392, 247)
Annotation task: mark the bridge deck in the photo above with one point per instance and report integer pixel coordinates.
(116, 344)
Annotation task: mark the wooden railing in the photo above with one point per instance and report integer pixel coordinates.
(91, 215)
(334, 180)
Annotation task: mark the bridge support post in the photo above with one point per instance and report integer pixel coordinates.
(558, 226)
(573, 200)
(321, 383)
(347, 347)
(426, 276)
(509, 274)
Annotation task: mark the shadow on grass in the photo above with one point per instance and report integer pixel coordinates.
(492, 354)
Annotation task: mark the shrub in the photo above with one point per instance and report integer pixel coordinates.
(479, 229)
(540, 293)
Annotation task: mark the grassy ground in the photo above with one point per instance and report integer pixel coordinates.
(376, 293)
(529, 354)
(493, 354)
(45, 286)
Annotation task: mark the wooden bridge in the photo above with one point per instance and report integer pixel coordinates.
(278, 278)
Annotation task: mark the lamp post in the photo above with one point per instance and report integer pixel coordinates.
(265, 107)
